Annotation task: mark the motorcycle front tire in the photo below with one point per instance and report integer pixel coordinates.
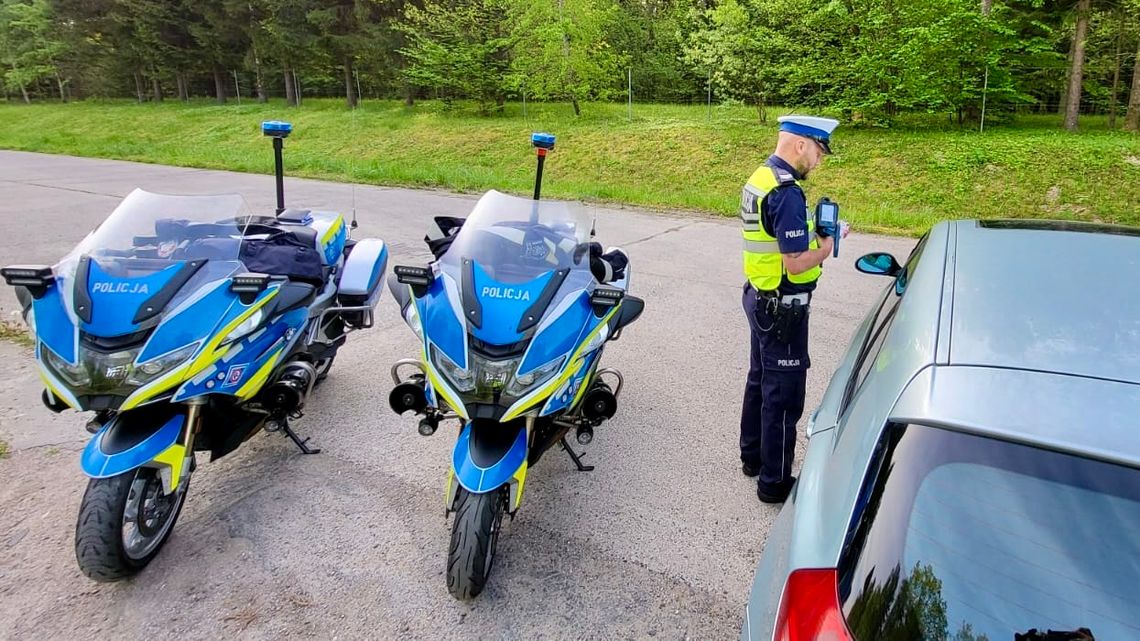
(124, 521)
(474, 538)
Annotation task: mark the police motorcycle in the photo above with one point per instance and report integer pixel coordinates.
(512, 324)
(187, 324)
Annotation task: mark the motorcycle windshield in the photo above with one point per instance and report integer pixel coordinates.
(516, 240)
(515, 258)
(151, 243)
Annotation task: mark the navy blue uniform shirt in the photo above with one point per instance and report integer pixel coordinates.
(783, 214)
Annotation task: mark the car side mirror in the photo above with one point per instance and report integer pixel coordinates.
(878, 264)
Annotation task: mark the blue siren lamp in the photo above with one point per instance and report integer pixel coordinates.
(542, 143)
(278, 130)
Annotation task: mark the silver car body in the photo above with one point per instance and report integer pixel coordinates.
(1026, 331)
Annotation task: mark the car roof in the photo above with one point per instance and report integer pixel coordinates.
(1085, 416)
(1047, 296)
(1038, 336)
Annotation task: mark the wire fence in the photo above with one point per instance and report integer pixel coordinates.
(242, 86)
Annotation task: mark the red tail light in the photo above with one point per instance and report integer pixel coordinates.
(810, 608)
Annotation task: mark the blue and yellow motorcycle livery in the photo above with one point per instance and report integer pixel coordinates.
(164, 322)
(512, 324)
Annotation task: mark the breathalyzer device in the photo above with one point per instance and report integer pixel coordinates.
(827, 221)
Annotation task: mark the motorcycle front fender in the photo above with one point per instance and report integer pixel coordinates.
(489, 455)
(136, 439)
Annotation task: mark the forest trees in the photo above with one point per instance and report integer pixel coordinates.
(868, 60)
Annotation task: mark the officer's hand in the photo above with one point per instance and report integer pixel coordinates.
(827, 244)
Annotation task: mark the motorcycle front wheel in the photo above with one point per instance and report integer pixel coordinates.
(124, 521)
(474, 538)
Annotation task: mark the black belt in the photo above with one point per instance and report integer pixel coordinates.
(770, 295)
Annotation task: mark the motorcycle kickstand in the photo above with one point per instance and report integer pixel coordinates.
(283, 425)
(575, 457)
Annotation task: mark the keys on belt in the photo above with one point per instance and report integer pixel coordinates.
(787, 312)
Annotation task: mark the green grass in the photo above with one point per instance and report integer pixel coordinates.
(897, 180)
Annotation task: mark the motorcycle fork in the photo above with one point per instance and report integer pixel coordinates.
(186, 440)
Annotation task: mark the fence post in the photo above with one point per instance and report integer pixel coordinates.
(708, 83)
(985, 88)
(237, 87)
(630, 70)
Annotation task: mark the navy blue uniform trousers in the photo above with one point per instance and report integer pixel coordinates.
(774, 394)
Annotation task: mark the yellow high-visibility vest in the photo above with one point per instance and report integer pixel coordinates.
(763, 266)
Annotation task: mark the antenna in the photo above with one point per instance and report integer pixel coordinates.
(352, 161)
(353, 224)
(352, 177)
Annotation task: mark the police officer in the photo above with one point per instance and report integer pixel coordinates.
(783, 255)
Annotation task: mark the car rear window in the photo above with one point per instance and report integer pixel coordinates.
(966, 538)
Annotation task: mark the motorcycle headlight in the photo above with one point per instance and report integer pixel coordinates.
(74, 375)
(537, 376)
(493, 376)
(462, 379)
(245, 327)
(150, 370)
(108, 371)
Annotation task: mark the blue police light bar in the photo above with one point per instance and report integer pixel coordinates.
(543, 141)
(276, 128)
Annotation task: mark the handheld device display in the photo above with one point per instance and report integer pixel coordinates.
(827, 221)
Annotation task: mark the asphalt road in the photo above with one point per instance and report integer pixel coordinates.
(660, 541)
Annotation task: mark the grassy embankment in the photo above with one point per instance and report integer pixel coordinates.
(899, 180)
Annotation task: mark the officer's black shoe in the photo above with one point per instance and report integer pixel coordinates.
(749, 471)
(775, 493)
